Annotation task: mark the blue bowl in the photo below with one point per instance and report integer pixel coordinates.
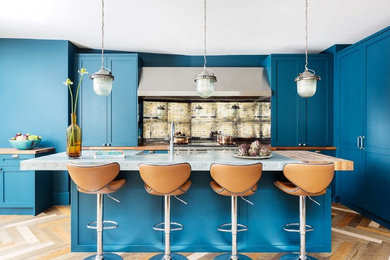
(24, 144)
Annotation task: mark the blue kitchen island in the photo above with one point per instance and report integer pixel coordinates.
(138, 211)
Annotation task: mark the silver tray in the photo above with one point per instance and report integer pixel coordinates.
(252, 157)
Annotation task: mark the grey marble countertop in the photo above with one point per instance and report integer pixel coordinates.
(198, 161)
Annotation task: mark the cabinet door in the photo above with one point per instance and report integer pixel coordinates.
(92, 108)
(350, 91)
(17, 187)
(318, 108)
(377, 141)
(285, 102)
(123, 101)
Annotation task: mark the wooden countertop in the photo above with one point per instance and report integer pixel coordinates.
(310, 157)
(164, 147)
(305, 148)
(32, 151)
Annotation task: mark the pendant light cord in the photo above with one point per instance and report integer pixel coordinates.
(306, 31)
(102, 34)
(205, 33)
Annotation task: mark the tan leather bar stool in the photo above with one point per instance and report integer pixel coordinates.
(305, 180)
(167, 180)
(233, 181)
(99, 180)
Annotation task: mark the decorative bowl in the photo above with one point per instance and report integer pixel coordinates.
(25, 144)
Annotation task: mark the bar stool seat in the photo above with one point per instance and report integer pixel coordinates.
(113, 186)
(224, 192)
(179, 191)
(292, 189)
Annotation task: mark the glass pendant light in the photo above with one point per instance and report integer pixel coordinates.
(102, 79)
(307, 80)
(206, 79)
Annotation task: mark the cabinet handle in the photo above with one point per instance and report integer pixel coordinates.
(108, 144)
(299, 144)
(362, 142)
(304, 144)
(15, 156)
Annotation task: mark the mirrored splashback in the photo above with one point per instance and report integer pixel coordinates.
(200, 119)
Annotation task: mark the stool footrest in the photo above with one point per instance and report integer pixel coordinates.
(294, 227)
(174, 226)
(112, 225)
(225, 227)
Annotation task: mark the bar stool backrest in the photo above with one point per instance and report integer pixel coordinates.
(312, 178)
(236, 178)
(93, 178)
(165, 179)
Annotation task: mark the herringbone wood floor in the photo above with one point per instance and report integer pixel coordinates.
(47, 236)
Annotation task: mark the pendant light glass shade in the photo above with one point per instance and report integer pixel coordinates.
(307, 84)
(205, 83)
(102, 82)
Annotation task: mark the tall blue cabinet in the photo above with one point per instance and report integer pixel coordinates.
(298, 121)
(111, 120)
(362, 127)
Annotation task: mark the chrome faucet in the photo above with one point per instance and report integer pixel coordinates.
(171, 142)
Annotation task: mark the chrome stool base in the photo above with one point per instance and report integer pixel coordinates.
(229, 257)
(172, 257)
(173, 227)
(93, 225)
(106, 256)
(295, 257)
(225, 228)
(294, 227)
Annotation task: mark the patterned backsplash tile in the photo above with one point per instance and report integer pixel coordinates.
(198, 119)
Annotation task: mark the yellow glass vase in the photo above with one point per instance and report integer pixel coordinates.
(73, 139)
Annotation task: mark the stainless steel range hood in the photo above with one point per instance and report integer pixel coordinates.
(179, 81)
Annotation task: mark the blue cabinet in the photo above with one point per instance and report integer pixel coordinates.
(23, 192)
(111, 120)
(362, 94)
(350, 97)
(299, 121)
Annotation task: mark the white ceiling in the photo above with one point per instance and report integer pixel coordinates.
(175, 26)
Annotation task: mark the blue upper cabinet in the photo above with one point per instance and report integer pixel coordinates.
(92, 110)
(124, 101)
(111, 120)
(285, 103)
(319, 116)
(299, 121)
